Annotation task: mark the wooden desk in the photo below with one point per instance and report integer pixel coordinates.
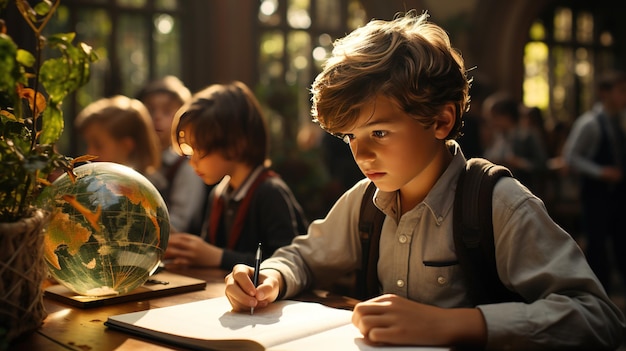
(72, 328)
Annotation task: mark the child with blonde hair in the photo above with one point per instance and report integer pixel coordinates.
(119, 129)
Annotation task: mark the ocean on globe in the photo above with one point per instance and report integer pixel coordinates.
(108, 229)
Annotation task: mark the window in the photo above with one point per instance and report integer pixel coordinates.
(567, 47)
(136, 41)
(295, 40)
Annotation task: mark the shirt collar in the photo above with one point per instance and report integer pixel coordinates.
(222, 188)
(440, 198)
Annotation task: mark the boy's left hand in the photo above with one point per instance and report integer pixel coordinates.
(391, 319)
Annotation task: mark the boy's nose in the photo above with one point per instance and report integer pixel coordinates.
(361, 151)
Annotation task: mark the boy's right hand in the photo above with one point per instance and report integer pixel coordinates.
(242, 293)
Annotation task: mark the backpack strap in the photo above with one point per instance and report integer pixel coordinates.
(371, 220)
(473, 231)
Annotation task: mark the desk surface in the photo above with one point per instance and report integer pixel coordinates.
(72, 328)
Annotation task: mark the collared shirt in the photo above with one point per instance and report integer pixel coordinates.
(536, 258)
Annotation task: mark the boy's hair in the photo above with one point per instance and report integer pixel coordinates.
(407, 59)
(225, 118)
(170, 85)
(123, 117)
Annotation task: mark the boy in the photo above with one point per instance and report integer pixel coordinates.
(396, 92)
(223, 132)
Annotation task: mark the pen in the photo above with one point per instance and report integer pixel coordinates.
(257, 264)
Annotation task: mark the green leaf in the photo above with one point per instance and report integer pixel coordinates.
(61, 39)
(65, 74)
(43, 8)
(9, 70)
(25, 58)
(52, 124)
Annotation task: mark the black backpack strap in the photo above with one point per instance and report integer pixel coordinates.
(473, 231)
(370, 225)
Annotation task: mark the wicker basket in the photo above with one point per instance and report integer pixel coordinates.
(22, 273)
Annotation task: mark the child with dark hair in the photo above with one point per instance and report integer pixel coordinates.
(183, 191)
(395, 91)
(223, 132)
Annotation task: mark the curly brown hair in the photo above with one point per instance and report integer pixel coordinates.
(407, 59)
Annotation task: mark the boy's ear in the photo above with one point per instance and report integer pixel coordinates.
(445, 121)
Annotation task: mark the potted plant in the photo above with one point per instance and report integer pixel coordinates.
(32, 89)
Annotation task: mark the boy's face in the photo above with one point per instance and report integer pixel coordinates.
(162, 107)
(394, 150)
(211, 167)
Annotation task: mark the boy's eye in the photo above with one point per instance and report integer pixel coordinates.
(379, 133)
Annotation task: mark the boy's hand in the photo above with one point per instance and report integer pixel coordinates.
(242, 293)
(189, 249)
(391, 319)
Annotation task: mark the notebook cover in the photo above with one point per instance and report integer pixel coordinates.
(154, 287)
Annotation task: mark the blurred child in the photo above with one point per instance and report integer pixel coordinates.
(396, 92)
(595, 151)
(119, 129)
(515, 145)
(183, 191)
(223, 131)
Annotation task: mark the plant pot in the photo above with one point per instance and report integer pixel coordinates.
(22, 273)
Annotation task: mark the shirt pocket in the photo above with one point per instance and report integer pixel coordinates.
(441, 283)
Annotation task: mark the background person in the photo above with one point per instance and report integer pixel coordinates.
(595, 151)
(183, 191)
(119, 129)
(223, 131)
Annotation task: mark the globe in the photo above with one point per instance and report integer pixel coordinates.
(108, 229)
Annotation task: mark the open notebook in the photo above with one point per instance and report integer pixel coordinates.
(284, 325)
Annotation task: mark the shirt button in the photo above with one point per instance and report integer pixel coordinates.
(441, 280)
(400, 283)
(402, 239)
